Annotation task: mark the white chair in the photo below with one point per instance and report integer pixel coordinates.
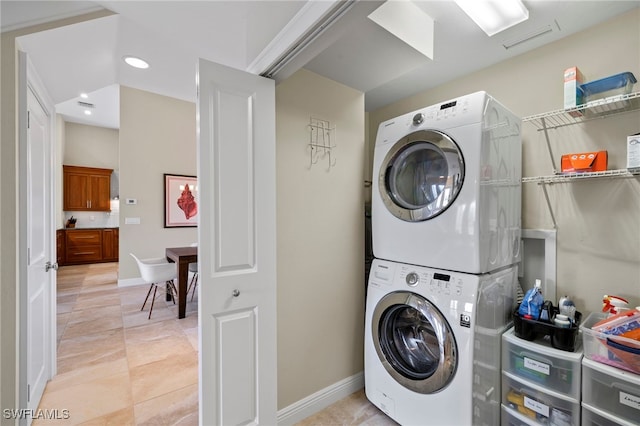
(193, 268)
(157, 271)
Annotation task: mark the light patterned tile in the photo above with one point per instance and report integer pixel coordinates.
(156, 341)
(89, 400)
(90, 349)
(124, 417)
(158, 378)
(179, 407)
(88, 373)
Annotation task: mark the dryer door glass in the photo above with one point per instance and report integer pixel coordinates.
(414, 342)
(421, 175)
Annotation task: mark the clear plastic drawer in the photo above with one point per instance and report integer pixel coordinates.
(538, 362)
(538, 404)
(591, 416)
(611, 390)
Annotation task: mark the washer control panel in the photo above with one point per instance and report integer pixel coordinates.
(413, 275)
(436, 282)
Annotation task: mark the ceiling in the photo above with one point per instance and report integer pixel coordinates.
(249, 35)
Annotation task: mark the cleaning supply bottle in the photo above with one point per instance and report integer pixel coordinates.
(532, 303)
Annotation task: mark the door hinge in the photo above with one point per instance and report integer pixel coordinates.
(28, 393)
(28, 119)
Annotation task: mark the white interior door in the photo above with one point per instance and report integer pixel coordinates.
(37, 291)
(237, 241)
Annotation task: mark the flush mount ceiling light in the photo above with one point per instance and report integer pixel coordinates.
(494, 16)
(408, 22)
(136, 62)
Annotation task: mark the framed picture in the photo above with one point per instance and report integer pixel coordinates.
(180, 201)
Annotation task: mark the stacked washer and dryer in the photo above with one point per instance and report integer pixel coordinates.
(446, 221)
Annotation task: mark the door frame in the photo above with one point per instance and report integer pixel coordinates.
(28, 79)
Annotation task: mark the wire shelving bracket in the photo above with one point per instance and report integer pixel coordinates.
(322, 139)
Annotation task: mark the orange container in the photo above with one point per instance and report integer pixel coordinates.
(584, 162)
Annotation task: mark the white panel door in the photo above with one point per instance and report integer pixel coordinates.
(237, 243)
(37, 321)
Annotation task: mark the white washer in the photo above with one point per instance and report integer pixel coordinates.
(432, 343)
(447, 186)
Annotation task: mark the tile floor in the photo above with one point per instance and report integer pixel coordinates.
(116, 367)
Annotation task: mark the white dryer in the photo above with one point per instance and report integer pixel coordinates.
(447, 186)
(432, 343)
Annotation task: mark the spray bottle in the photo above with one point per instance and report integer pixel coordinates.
(532, 302)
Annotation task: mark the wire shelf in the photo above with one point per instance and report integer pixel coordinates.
(566, 177)
(599, 108)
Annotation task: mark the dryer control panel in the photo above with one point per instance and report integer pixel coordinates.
(436, 282)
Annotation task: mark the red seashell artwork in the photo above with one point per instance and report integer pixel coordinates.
(187, 203)
(180, 201)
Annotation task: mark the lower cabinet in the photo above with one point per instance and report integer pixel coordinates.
(90, 246)
(110, 239)
(60, 247)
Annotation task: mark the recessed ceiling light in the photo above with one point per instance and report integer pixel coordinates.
(87, 112)
(494, 16)
(84, 96)
(136, 62)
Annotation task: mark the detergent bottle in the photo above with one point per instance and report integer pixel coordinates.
(532, 303)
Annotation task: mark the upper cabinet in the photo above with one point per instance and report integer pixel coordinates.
(86, 189)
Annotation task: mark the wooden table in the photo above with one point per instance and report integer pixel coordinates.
(183, 256)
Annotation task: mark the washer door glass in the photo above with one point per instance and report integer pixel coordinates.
(421, 175)
(414, 342)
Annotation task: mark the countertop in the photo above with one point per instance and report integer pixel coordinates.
(87, 228)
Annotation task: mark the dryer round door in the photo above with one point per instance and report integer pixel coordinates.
(421, 175)
(414, 342)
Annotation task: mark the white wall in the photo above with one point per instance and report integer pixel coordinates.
(320, 219)
(598, 221)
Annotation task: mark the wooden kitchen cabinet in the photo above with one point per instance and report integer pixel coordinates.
(110, 241)
(83, 245)
(88, 246)
(60, 247)
(86, 188)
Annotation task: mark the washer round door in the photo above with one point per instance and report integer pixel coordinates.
(414, 342)
(421, 175)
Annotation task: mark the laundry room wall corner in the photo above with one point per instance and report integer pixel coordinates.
(320, 257)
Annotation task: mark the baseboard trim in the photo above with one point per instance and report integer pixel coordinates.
(320, 400)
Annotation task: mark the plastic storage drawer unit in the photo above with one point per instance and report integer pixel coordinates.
(538, 403)
(616, 351)
(486, 376)
(512, 418)
(611, 390)
(539, 363)
(592, 416)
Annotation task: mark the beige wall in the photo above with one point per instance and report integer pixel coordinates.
(598, 221)
(157, 136)
(320, 219)
(91, 146)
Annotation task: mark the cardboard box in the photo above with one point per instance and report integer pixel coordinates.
(633, 152)
(584, 162)
(573, 95)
